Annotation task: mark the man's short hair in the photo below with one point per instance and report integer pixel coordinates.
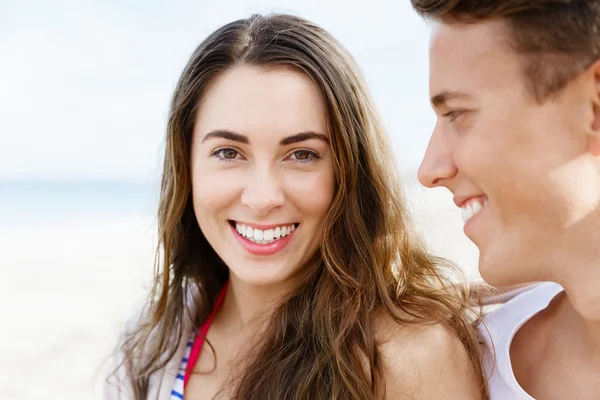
(557, 39)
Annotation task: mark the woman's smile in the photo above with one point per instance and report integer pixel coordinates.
(263, 240)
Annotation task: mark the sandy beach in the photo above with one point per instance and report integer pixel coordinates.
(68, 286)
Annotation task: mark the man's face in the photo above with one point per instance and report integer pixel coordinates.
(520, 170)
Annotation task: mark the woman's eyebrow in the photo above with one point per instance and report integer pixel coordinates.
(224, 134)
(303, 136)
(238, 137)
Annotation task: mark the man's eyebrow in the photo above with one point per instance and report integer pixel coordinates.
(303, 136)
(442, 98)
(224, 134)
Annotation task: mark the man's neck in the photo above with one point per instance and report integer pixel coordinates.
(576, 266)
(579, 332)
(573, 318)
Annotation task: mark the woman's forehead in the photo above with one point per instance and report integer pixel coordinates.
(251, 100)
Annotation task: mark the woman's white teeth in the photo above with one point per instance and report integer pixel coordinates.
(268, 235)
(264, 236)
(472, 208)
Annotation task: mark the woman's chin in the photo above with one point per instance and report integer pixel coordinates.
(260, 274)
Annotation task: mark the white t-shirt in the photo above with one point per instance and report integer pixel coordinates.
(503, 323)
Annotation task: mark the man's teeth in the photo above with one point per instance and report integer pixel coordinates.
(472, 208)
(264, 237)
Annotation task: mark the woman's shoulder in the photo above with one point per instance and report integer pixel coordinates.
(424, 360)
(117, 381)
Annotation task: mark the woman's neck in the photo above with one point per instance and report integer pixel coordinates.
(249, 306)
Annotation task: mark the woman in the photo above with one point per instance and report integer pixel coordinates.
(282, 229)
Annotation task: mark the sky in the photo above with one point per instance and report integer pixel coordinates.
(85, 85)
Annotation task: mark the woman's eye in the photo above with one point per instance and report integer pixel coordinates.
(229, 154)
(304, 156)
(226, 154)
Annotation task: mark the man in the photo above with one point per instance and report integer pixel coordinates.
(516, 88)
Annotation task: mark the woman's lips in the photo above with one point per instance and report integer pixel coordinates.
(261, 249)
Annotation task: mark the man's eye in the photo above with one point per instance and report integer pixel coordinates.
(452, 115)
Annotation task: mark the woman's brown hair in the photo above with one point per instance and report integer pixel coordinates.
(321, 337)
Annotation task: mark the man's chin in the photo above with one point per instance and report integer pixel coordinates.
(497, 272)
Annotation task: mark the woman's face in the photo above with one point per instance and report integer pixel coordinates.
(262, 172)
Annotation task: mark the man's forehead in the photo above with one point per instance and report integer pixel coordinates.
(472, 39)
(464, 57)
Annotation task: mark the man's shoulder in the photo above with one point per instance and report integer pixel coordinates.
(533, 298)
(501, 322)
(500, 326)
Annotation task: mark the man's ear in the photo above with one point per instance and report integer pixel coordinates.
(594, 141)
(594, 145)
